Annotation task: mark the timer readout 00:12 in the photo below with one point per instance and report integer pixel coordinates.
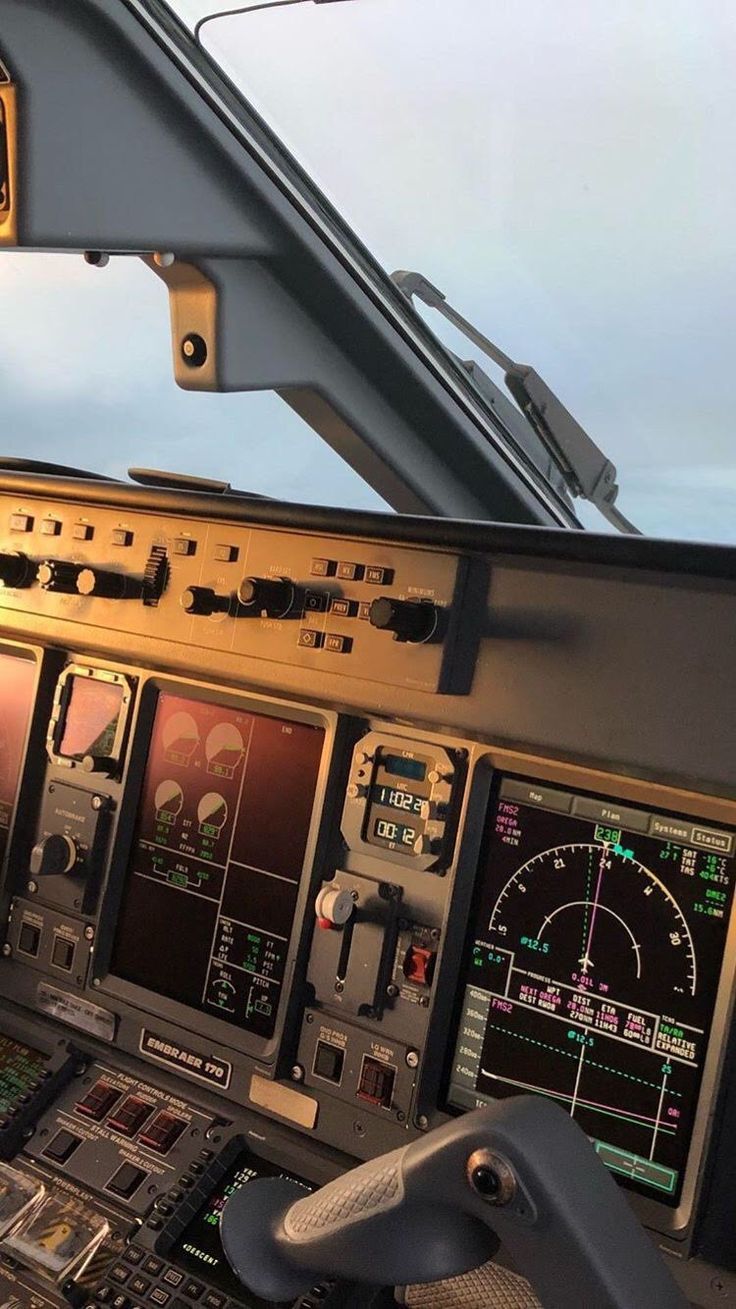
(400, 787)
(397, 833)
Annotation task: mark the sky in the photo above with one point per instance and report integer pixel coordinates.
(563, 172)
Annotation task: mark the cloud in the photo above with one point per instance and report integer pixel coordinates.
(556, 169)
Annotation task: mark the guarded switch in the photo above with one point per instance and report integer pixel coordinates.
(98, 1101)
(161, 1134)
(418, 966)
(130, 1116)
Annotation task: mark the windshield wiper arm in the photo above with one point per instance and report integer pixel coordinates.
(586, 470)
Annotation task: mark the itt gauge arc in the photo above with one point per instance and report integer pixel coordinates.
(401, 800)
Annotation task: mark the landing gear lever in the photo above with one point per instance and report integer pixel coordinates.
(519, 1173)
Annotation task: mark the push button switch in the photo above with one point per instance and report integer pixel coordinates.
(29, 939)
(62, 1147)
(126, 1180)
(328, 1062)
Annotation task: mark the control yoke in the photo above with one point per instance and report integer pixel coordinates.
(519, 1173)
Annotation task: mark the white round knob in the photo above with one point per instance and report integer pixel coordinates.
(334, 904)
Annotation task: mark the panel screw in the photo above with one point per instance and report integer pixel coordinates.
(400, 1117)
(95, 981)
(423, 1122)
(194, 350)
(32, 888)
(297, 1073)
(309, 1018)
(89, 932)
(97, 801)
(339, 987)
(412, 1058)
(392, 989)
(7, 949)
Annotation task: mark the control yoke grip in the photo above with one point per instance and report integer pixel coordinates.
(519, 1172)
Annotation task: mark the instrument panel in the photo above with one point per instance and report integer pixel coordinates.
(270, 909)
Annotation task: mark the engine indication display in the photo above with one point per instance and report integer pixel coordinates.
(223, 826)
(17, 682)
(593, 969)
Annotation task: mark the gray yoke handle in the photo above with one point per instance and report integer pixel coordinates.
(519, 1172)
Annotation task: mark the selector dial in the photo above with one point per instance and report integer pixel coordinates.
(54, 855)
(269, 596)
(106, 585)
(59, 575)
(203, 600)
(15, 569)
(409, 620)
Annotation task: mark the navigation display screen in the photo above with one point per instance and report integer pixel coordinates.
(223, 823)
(91, 718)
(591, 976)
(17, 682)
(199, 1248)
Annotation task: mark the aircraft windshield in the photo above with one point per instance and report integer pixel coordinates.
(560, 172)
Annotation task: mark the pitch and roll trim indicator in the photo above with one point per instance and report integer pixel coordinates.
(592, 974)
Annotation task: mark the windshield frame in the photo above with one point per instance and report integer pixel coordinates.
(263, 145)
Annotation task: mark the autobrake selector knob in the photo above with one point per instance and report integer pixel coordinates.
(15, 569)
(269, 596)
(409, 620)
(53, 855)
(107, 585)
(203, 600)
(59, 575)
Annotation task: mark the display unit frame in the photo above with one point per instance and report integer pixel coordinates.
(151, 1008)
(61, 703)
(36, 722)
(433, 1107)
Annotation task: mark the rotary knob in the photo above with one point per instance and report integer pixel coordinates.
(271, 597)
(59, 575)
(106, 585)
(415, 621)
(15, 569)
(54, 855)
(203, 600)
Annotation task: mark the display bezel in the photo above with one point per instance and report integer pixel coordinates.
(62, 700)
(448, 789)
(34, 655)
(434, 1103)
(162, 1010)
